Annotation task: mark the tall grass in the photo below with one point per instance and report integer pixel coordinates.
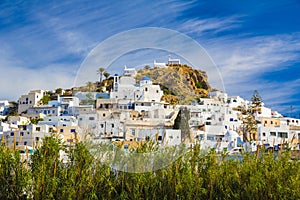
(194, 175)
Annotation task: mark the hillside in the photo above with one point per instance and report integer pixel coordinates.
(181, 83)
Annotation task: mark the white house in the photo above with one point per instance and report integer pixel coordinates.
(89, 122)
(29, 135)
(56, 121)
(3, 107)
(30, 100)
(18, 120)
(171, 137)
(159, 65)
(172, 61)
(273, 134)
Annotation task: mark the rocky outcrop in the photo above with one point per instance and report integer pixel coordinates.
(180, 83)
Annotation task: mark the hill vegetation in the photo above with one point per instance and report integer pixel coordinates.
(180, 83)
(195, 175)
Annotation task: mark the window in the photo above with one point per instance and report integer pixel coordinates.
(146, 89)
(112, 125)
(103, 115)
(25, 143)
(264, 134)
(207, 123)
(111, 133)
(91, 118)
(231, 119)
(61, 130)
(273, 133)
(37, 138)
(12, 134)
(157, 91)
(282, 134)
(271, 122)
(101, 125)
(72, 130)
(38, 128)
(17, 143)
(22, 133)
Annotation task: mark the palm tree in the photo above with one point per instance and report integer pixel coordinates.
(106, 75)
(100, 71)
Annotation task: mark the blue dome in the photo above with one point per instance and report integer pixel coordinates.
(116, 75)
(145, 78)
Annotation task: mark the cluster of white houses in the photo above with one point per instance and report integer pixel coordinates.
(134, 112)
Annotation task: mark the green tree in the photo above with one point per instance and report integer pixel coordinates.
(14, 175)
(100, 71)
(256, 100)
(58, 91)
(147, 67)
(46, 165)
(45, 99)
(35, 120)
(182, 123)
(249, 128)
(106, 75)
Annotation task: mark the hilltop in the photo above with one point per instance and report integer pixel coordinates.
(180, 83)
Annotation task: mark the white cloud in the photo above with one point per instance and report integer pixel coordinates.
(17, 79)
(243, 62)
(211, 25)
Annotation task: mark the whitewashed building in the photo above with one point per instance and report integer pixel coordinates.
(4, 105)
(30, 100)
(56, 121)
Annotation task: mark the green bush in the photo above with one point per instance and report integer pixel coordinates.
(194, 175)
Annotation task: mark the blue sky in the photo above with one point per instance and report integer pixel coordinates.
(255, 44)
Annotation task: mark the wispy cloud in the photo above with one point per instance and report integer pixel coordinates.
(244, 61)
(211, 25)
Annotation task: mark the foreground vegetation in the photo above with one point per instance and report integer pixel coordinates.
(194, 175)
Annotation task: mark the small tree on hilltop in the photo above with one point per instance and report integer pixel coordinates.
(106, 75)
(100, 71)
(256, 99)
